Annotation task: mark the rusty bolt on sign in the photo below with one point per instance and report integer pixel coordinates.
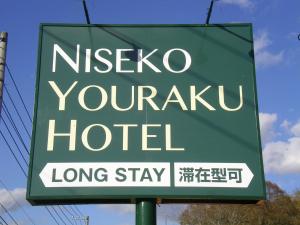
(299, 37)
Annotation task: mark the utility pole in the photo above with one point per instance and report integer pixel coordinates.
(3, 44)
(86, 219)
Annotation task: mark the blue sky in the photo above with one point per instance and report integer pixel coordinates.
(277, 51)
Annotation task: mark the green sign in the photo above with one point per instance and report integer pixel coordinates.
(145, 111)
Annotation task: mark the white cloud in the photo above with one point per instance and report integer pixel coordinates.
(262, 41)
(8, 202)
(285, 125)
(266, 58)
(282, 157)
(240, 3)
(120, 208)
(267, 121)
(295, 129)
(263, 56)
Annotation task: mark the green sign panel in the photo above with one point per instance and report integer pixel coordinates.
(145, 111)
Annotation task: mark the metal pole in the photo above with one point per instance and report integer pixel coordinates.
(209, 11)
(86, 12)
(3, 44)
(145, 213)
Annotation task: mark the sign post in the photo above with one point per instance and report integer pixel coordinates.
(145, 213)
(136, 113)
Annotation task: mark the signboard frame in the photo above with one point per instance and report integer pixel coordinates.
(40, 200)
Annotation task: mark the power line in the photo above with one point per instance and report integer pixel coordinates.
(52, 215)
(11, 120)
(75, 221)
(26, 176)
(209, 11)
(73, 210)
(58, 215)
(19, 150)
(3, 220)
(77, 209)
(19, 94)
(8, 115)
(67, 210)
(15, 157)
(16, 110)
(86, 12)
(16, 202)
(18, 133)
(65, 215)
(8, 213)
(73, 213)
